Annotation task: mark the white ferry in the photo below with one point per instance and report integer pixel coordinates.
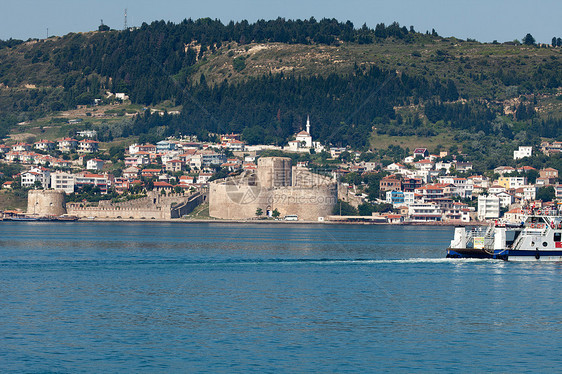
(537, 238)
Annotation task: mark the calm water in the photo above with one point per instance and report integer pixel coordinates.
(105, 297)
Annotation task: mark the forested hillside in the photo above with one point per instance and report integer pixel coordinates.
(263, 79)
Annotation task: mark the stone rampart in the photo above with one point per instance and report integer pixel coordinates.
(241, 202)
(154, 206)
(117, 212)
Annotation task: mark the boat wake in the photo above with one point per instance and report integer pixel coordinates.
(71, 263)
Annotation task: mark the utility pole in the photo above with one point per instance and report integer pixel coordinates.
(125, 27)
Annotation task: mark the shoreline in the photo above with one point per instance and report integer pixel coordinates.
(263, 222)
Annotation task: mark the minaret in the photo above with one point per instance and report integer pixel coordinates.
(308, 124)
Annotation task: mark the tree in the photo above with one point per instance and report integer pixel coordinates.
(529, 40)
(259, 212)
(275, 213)
(554, 44)
(546, 193)
(344, 209)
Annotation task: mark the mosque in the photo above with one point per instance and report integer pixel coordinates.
(303, 141)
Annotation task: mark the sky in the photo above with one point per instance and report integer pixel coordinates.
(483, 20)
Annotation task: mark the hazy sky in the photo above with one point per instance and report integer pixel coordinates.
(478, 19)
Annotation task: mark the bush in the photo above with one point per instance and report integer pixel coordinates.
(239, 63)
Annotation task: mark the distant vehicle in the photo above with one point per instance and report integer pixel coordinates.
(291, 217)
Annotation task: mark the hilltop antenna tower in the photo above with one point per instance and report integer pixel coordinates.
(125, 27)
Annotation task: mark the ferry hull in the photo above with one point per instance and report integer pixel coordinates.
(467, 253)
(506, 255)
(530, 255)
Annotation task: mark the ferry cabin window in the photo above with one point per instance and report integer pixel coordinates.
(557, 236)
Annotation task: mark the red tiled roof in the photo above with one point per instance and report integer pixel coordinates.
(162, 184)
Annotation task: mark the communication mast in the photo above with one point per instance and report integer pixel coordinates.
(125, 26)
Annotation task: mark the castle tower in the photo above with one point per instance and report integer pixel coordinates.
(274, 172)
(46, 203)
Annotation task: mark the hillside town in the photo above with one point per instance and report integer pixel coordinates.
(421, 188)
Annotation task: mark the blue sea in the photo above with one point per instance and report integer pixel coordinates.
(168, 297)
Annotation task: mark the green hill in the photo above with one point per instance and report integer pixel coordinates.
(362, 87)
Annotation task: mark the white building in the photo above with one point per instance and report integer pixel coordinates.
(425, 212)
(87, 133)
(488, 207)
(67, 144)
(514, 216)
(440, 165)
(336, 152)
(88, 146)
(505, 199)
(21, 147)
(235, 145)
(40, 175)
(522, 152)
(103, 182)
(195, 162)
(45, 145)
(63, 181)
(530, 192)
(94, 164)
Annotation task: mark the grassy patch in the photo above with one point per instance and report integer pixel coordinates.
(200, 212)
(9, 201)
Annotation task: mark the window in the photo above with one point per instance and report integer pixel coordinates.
(557, 236)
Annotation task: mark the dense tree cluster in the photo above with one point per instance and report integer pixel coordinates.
(471, 115)
(270, 109)
(10, 43)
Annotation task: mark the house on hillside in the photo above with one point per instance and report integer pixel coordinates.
(421, 152)
(94, 164)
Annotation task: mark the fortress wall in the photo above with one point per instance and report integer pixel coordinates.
(187, 207)
(153, 198)
(228, 202)
(307, 203)
(118, 213)
(46, 202)
(305, 178)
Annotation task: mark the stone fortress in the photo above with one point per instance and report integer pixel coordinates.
(44, 203)
(276, 185)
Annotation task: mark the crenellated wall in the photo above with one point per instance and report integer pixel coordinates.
(118, 213)
(154, 206)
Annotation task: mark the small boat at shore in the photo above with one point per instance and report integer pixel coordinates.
(537, 238)
(22, 218)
